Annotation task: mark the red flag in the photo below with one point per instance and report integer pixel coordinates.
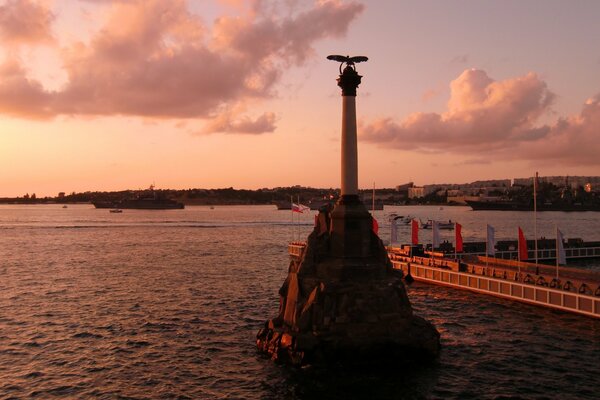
(459, 241)
(522, 246)
(375, 226)
(299, 208)
(415, 232)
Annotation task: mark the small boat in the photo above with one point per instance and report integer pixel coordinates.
(404, 219)
(116, 210)
(65, 206)
(441, 225)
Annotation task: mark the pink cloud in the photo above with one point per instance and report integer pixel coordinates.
(228, 123)
(573, 141)
(496, 118)
(154, 58)
(25, 21)
(482, 113)
(18, 93)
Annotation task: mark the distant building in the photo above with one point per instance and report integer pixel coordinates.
(405, 187)
(416, 192)
(496, 188)
(61, 195)
(574, 182)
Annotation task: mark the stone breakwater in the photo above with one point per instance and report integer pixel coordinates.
(356, 311)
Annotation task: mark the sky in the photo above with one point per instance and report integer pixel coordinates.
(115, 95)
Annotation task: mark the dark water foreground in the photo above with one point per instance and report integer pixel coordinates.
(168, 305)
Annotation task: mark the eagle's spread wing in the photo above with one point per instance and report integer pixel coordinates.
(338, 58)
(358, 59)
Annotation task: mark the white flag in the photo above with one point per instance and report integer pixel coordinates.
(436, 234)
(394, 236)
(561, 255)
(491, 242)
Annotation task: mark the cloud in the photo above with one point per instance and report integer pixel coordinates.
(25, 21)
(574, 140)
(290, 38)
(460, 59)
(228, 123)
(154, 58)
(429, 94)
(18, 93)
(474, 161)
(501, 118)
(482, 114)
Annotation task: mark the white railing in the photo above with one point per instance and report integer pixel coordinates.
(527, 293)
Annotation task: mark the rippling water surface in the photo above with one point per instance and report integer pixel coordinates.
(166, 304)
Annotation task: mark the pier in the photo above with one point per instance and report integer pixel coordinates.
(575, 290)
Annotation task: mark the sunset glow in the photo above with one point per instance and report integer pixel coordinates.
(110, 95)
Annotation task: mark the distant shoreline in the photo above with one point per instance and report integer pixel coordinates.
(227, 196)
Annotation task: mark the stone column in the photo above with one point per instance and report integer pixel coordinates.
(351, 222)
(349, 147)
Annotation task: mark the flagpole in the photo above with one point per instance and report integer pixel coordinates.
(455, 243)
(519, 252)
(373, 206)
(535, 221)
(292, 211)
(557, 255)
(487, 243)
(298, 218)
(432, 236)
(518, 246)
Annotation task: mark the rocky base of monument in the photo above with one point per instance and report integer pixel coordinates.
(349, 311)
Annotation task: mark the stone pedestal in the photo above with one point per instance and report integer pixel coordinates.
(350, 309)
(351, 225)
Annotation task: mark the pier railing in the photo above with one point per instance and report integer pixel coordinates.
(524, 292)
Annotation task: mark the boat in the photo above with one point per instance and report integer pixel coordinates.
(145, 200)
(404, 219)
(116, 210)
(283, 205)
(441, 225)
(317, 204)
(512, 205)
(65, 206)
(290, 205)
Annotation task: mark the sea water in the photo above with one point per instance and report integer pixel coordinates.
(166, 304)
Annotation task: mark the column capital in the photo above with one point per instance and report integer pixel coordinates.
(349, 81)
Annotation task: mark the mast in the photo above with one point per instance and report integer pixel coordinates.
(373, 207)
(519, 252)
(557, 255)
(535, 221)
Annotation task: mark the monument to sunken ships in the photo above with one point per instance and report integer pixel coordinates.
(341, 300)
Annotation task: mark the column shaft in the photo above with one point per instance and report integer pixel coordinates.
(349, 147)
